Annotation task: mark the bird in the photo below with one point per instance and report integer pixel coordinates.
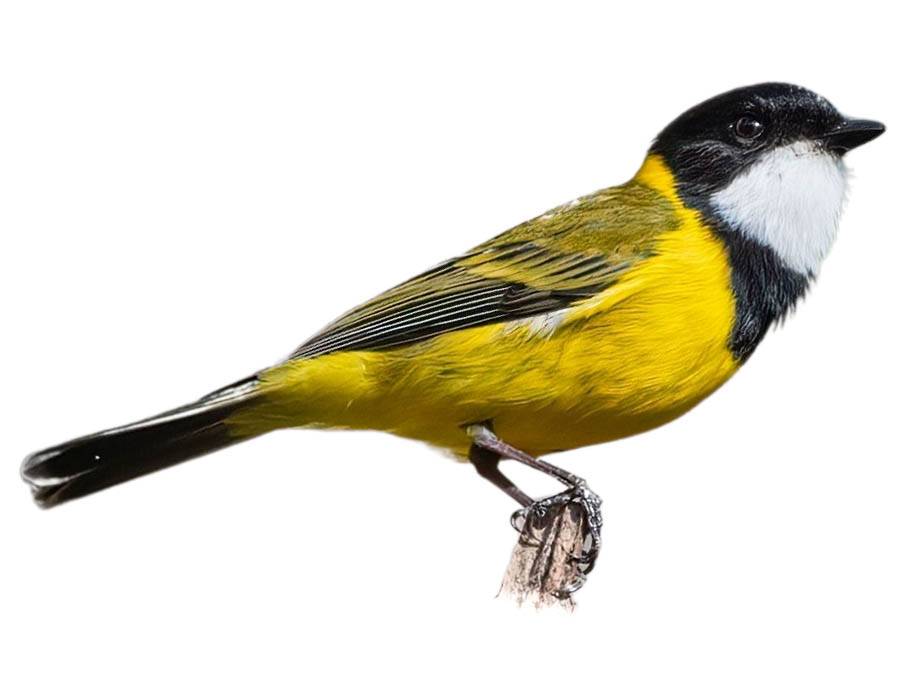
(603, 318)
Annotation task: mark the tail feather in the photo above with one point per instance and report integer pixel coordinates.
(91, 463)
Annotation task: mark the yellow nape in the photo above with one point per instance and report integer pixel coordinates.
(655, 173)
(638, 354)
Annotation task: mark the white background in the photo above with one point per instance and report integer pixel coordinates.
(188, 190)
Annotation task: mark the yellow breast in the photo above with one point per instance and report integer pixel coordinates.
(637, 355)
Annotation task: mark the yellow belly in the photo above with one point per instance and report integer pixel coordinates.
(634, 357)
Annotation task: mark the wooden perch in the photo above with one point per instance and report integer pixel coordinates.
(543, 564)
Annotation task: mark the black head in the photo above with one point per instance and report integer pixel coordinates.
(763, 165)
(709, 145)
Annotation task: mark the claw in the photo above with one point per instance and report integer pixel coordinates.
(519, 519)
(585, 562)
(591, 508)
(571, 588)
(592, 543)
(519, 523)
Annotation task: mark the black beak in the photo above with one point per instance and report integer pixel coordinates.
(851, 133)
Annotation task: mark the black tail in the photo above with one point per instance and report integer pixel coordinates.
(91, 463)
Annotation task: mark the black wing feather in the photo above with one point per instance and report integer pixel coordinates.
(475, 290)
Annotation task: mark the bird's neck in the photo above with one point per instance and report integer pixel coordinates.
(764, 287)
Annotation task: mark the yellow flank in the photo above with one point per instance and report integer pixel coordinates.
(639, 353)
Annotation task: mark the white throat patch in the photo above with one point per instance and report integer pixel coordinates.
(790, 200)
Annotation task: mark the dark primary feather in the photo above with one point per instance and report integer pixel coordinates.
(457, 296)
(543, 265)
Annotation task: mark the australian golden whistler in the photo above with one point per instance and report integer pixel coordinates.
(602, 318)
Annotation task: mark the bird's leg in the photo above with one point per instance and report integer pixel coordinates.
(486, 453)
(486, 464)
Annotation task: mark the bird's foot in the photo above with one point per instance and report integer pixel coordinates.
(590, 506)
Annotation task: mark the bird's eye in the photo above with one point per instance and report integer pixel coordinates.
(748, 128)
